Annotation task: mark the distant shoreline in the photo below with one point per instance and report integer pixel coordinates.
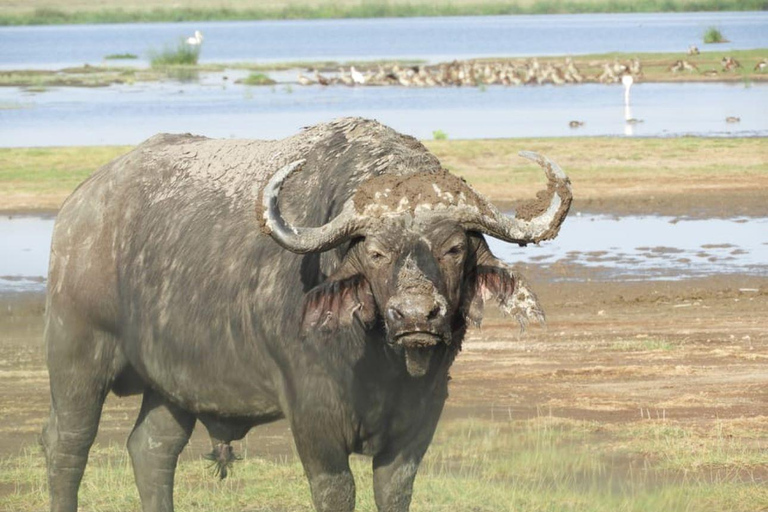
(112, 11)
(706, 67)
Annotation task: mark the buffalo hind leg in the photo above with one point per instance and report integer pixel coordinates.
(80, 367)
(161, 433)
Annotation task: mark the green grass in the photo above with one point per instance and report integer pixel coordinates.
(257, 79)
(543, 464)
(182, 54)
(713, 35)
(34, 178)
(121, 56)
(113, 12)
(50, 170)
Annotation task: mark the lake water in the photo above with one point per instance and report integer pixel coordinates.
(632, 247)
(128, 114)
(432, 39)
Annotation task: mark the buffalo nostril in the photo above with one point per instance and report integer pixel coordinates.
(433, 314)
(394, 314)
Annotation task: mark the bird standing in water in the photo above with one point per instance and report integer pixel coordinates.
(627, 80)
(195, 40)
(357, 77)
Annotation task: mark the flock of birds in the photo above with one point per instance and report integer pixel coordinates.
(474, 73)
(728, 64)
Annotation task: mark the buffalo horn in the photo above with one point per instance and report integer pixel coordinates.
(305, 239)
(543, 226)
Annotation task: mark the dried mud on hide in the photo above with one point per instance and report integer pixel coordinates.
(395, 193)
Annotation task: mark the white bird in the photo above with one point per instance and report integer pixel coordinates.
(195, 40)
(357, 77)
(627, 80)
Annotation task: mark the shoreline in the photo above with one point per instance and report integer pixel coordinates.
(110, 11)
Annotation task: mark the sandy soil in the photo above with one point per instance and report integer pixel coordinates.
(693, 351)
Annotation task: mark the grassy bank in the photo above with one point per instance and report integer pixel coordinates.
(170, 62)
(43, 12)
(600, 168)
(546, 463)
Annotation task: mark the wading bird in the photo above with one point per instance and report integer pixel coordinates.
(627, 80)
(195, 40)
(321, 79)
(357, 77)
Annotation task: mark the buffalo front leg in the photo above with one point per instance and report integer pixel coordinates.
(393, 477)
(394, 469)
(326, 464)
(161, 432)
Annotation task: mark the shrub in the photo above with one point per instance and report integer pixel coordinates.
(713, 35)
(115, 56)
(257, 79)
(439, 135)
(182, 55)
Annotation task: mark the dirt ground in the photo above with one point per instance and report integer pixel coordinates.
(694, 351)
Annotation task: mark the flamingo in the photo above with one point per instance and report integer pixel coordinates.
(195, 40)
(627, 80)
(629, 121)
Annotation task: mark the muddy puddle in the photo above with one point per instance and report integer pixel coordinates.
(609, 247)
(649, 247)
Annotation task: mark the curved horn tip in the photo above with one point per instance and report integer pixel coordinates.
(551, 168)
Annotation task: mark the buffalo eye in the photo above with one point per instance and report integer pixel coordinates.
(455, 251)
(377, 256)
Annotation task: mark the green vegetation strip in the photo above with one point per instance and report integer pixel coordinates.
(546, 463)
(369, 9)
(40, 178)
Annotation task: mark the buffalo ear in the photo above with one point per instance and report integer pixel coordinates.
(338, 303)
(509, 290)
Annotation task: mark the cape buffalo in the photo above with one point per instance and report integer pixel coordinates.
(327, 278)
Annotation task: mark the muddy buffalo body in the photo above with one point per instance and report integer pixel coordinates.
(327, 278)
